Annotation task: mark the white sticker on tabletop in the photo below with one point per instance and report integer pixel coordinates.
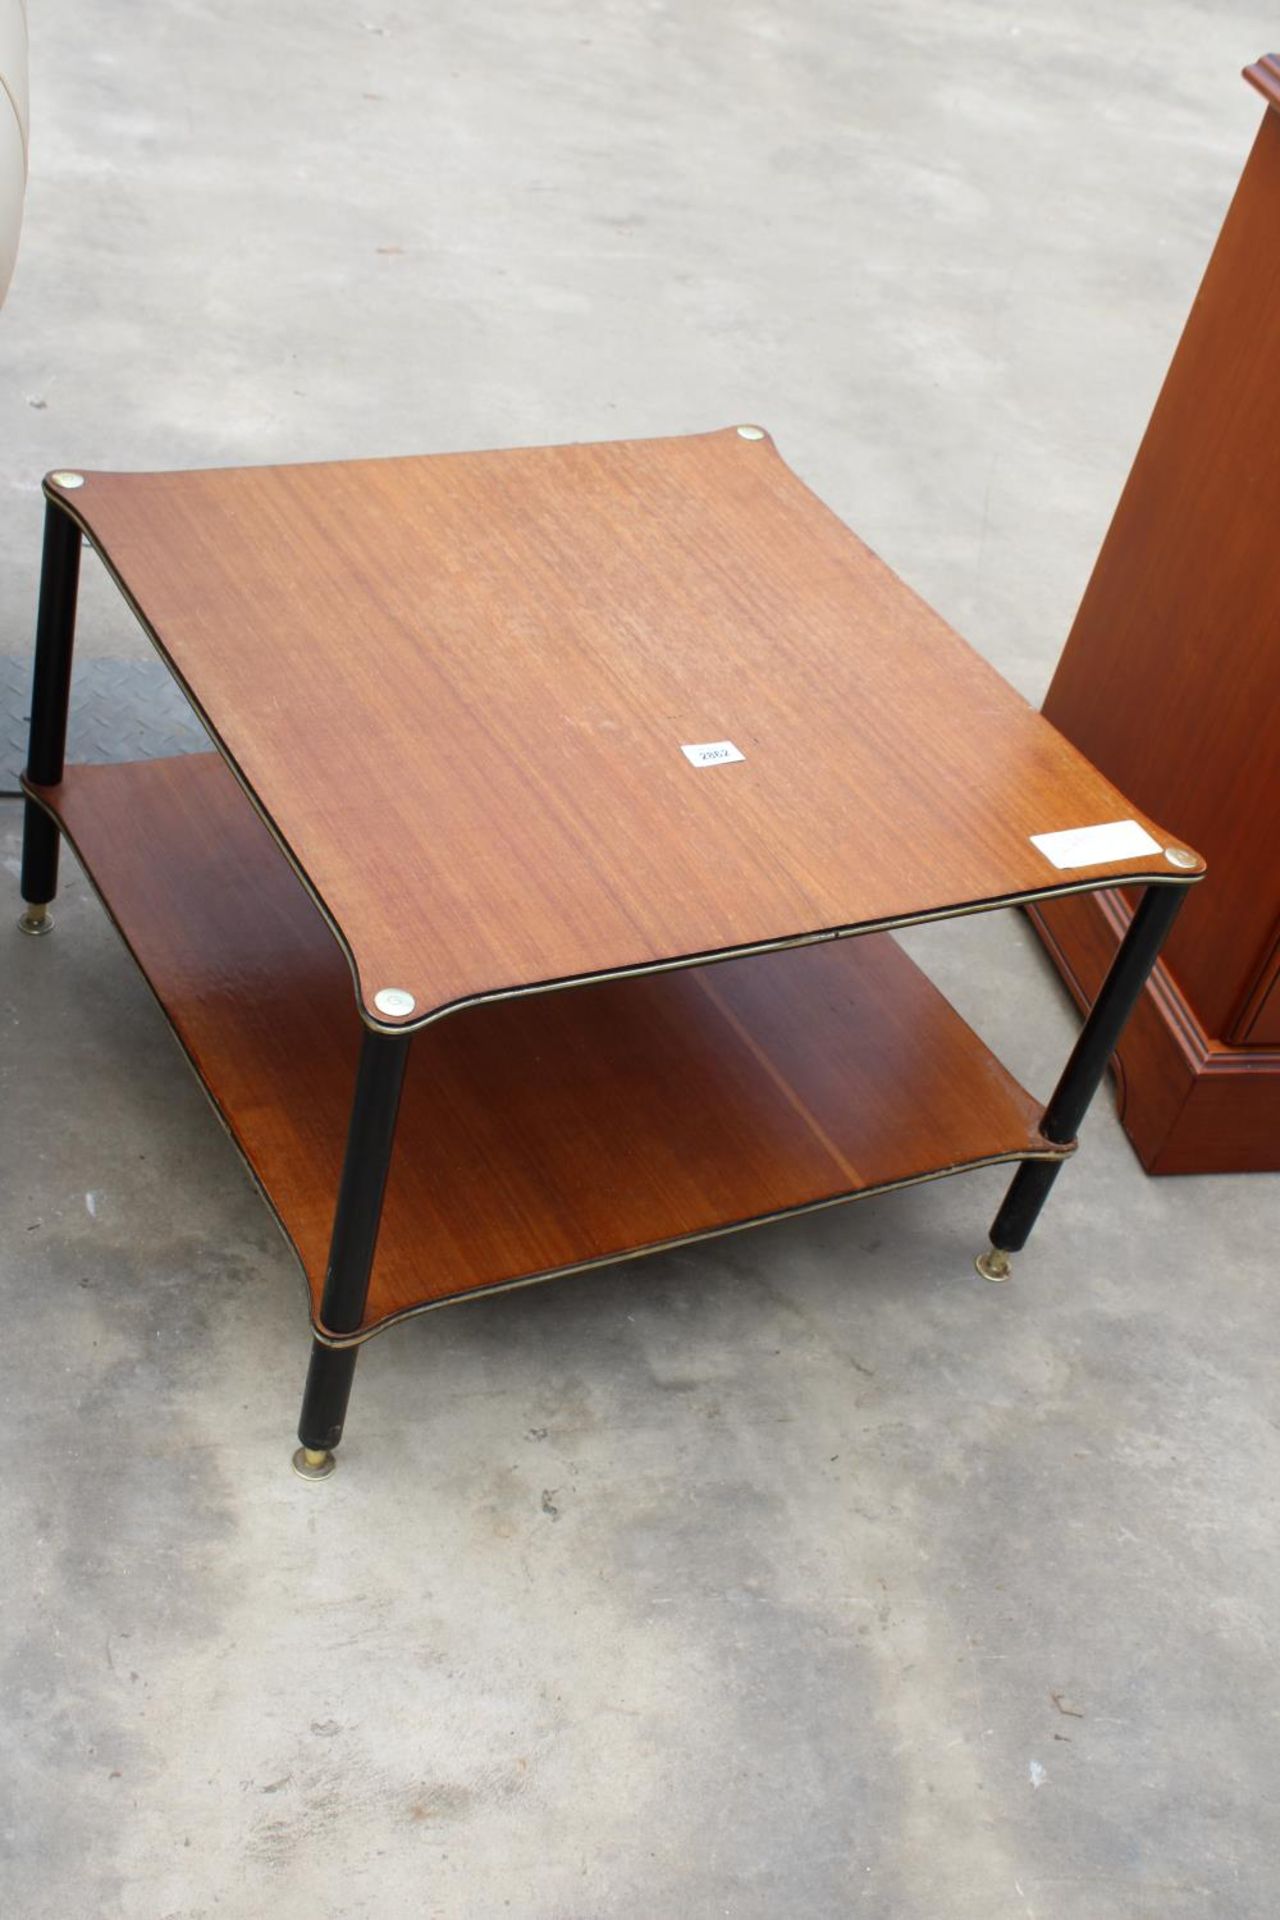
(712, 753)
(1095, 846)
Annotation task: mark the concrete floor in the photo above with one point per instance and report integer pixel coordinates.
(802, 1574)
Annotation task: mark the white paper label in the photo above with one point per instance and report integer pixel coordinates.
(712, 753)
(1095, 846)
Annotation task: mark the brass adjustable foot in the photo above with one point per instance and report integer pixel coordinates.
(314, 1463)
(35, 921)
(995, 1264)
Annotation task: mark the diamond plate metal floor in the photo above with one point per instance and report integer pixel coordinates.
(120, 710)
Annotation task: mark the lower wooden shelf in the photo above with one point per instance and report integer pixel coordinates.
(538, 1134)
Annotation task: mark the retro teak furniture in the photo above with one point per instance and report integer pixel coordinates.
(577, 764)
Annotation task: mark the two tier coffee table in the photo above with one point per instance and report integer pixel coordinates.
(510, 924)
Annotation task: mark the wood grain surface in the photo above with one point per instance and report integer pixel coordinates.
(458, 687)
(537, 1133)
(1171, 676)
(1170, 681)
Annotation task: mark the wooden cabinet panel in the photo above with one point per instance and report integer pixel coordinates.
(1170, 680)
(1259, 1025)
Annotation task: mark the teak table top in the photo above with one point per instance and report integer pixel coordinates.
(457, 688)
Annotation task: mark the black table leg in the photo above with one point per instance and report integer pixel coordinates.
(370, 1139)
(50, 697)
(1116, 998)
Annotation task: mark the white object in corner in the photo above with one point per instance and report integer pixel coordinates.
(1096, 846)
(14, 132)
